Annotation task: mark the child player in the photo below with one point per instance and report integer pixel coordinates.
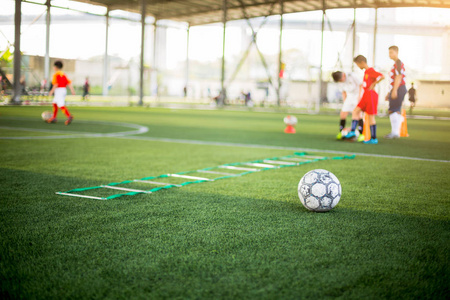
(369, 100)
(397, 91)
(350, 87)
(60, 82)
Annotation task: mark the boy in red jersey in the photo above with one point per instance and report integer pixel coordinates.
(60, 82)
(369, 100)
(397, 92)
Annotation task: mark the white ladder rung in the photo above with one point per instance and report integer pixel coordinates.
(214, 172)
(82, 196)
(155, 182)
(279, 162)
(315, 157)
(189, 177)
(238, 168)
(295, 159)
(260, 165)
(124, 189)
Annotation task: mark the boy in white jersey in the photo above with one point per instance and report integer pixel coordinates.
(350, 86)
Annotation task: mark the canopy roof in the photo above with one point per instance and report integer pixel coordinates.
(198, 12)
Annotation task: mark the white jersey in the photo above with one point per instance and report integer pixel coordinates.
(351, 87)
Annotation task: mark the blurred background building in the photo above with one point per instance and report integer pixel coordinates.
(183, 59)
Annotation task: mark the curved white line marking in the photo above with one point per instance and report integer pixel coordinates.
(75, 134)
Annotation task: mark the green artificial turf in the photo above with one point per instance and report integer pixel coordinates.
(238, 238)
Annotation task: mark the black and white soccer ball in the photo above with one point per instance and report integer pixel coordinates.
(319, 190)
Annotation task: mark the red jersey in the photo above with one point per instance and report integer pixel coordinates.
(397, 69)
(60, 79)
(369, 99)
(370, 76)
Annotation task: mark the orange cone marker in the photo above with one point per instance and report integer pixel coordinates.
(404, 126)
(289, 129)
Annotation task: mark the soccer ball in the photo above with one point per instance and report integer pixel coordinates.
(319, 190)
(290, 120)
(46, 115)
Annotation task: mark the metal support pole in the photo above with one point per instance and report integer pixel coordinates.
(141, 64)
(47, 47)
(375, 29)
(280, 54)
(354, 37)
(319, 100)
(17, 56)
(224, 8)
(105, 59)
(187, 60)
(155, 62)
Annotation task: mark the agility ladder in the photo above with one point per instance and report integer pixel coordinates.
(273, 163)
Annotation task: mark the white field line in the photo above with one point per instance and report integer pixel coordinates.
(40, 130)
(222, 144)
(74, 134)
(143, 129)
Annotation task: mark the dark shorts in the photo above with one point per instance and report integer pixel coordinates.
(395, 105)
